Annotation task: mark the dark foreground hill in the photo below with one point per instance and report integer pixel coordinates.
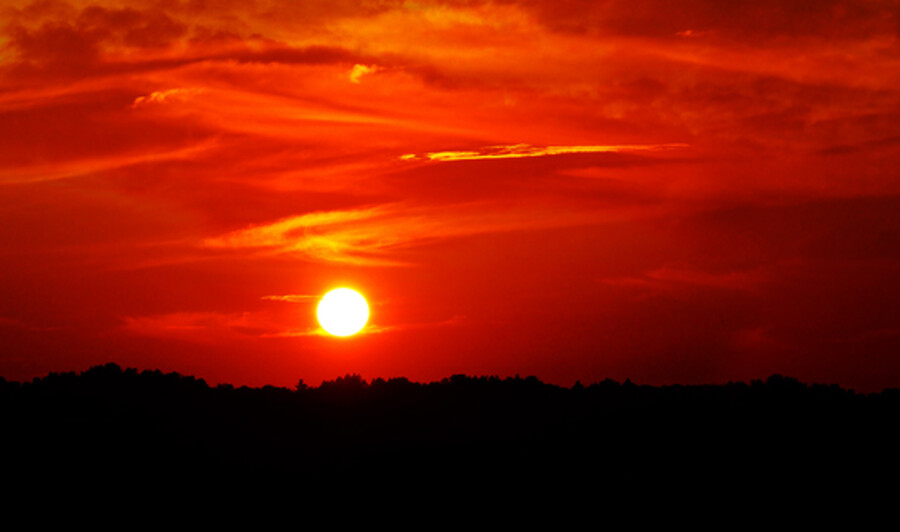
(124, 423)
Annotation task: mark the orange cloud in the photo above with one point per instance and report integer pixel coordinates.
(516, 151)
(166, 95)
(367, 236)
(359, 71)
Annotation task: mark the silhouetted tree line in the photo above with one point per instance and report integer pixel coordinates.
(125, 422)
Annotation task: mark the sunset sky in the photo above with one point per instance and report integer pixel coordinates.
(671, 192)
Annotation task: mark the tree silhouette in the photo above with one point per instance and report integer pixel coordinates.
(99, 421)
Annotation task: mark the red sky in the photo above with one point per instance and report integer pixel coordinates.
(690, 192)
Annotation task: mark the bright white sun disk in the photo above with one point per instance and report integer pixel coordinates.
(343, 312)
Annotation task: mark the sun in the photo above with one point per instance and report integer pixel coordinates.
(343, 312)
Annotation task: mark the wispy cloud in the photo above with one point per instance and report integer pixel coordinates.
(667, 278)
(515, 151)
(291, 298)
(371, 328)
(301, 333)
(735, 280)
(364, 236)
(166, 95)
(217, 327)
(204, 327)
(65, 169)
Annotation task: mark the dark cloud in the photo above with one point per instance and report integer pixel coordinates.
(66, 43)
(55, 48)
(130, 27)
(738, 20)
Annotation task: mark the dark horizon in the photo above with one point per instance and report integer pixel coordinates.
(358, 379)
(136, 427)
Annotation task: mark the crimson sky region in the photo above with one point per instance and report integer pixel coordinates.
(681, 192)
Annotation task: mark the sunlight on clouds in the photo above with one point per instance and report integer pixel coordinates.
(358, 71)
(471, 33)
(524, 150)
(167, 95)
(300, 333)
(322, 118)
(365, 236)
(281, 233)
(371, 328)
(292, 298)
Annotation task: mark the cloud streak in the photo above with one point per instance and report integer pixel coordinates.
(370, 328)
(291, 298)
(368, 235)
(517, 151)
(671, 278)
(54, 171)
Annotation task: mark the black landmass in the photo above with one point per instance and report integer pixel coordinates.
(124, 423)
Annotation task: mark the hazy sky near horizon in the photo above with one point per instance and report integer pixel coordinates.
(687, 192)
